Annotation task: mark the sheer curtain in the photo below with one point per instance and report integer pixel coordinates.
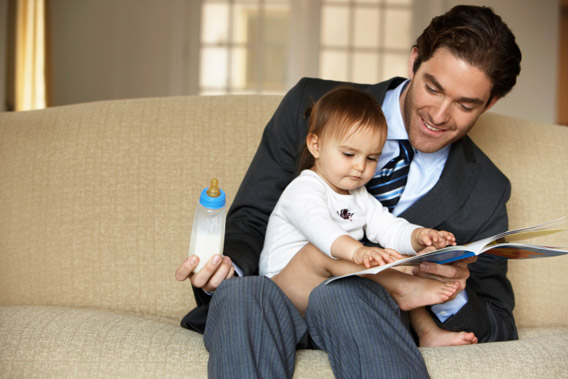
(30, 69)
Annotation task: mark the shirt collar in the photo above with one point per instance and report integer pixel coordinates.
(393, 114)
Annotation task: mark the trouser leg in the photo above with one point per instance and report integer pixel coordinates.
(252, 330)
(358, 324)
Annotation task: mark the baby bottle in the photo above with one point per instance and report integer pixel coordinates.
(208, 231)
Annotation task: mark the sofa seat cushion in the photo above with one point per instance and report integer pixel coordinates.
(540, 352)
(93, 343)
(78, 342)
(86, 342)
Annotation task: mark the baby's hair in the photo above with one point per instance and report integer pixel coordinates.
(343, 109)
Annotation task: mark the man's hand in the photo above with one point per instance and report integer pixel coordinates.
(457, 271)
(210, 276)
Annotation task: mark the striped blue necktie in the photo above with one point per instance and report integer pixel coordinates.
(387, 184)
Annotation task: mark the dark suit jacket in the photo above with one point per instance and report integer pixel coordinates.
(468, 200)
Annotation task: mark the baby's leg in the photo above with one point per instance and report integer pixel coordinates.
(302, 274)
(411, 292)
(430, 334)
(307, 270)
(407, 290)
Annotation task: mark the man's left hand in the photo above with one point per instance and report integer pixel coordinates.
(456, 271)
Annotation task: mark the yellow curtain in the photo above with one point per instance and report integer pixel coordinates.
(30, 91)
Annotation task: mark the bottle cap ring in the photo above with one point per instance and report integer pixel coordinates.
(212, 202)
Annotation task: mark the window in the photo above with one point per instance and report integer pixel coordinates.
(244, 46)
(365, 40)
(258, 46)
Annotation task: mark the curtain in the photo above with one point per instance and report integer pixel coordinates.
(30, 68)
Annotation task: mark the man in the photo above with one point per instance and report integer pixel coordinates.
(461, 65)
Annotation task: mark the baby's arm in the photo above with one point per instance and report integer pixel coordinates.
(425, 237)
(347, 248)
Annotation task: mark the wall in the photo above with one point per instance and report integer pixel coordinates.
(3, 53)
(109, 49)
(562, 103)
(106, 49)
(535, 24)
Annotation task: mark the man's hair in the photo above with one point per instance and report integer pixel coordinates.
(479, 37)
(342, 110)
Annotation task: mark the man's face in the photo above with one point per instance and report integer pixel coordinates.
(443, 100)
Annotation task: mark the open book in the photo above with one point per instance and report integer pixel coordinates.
(504, 245)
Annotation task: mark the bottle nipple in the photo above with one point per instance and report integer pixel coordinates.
(213, 190)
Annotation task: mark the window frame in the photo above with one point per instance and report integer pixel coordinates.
(304, 44)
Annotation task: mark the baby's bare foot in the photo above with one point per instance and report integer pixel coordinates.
(417, 292)
(442, 337)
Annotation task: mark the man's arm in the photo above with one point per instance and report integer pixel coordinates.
(489, 292)
(273, 167)
(475, 193)
(488, 311)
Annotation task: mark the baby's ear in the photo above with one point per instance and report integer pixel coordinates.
(313, 144)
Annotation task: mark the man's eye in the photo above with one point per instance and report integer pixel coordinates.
(466, 108)
(374, 159)
(430, 89)
(348, 154)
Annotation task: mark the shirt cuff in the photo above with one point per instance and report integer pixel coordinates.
(449, 308)
(238, 271)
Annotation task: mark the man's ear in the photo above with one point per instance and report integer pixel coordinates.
(313, 144)
(411, 61)
(491, 103)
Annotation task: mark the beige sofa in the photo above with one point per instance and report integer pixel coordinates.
(96, 206)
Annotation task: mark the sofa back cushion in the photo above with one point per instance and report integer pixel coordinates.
(97, 199)
(534, 156)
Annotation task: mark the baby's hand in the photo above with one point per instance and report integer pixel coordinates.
(438, 239)
(374, 256)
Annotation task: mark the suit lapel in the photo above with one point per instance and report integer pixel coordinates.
(452, 190)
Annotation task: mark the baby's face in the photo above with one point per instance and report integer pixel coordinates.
(349, 161)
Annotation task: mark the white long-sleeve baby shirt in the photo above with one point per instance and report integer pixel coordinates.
(309, 210)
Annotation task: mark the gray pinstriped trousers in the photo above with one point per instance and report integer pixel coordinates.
(253, 329)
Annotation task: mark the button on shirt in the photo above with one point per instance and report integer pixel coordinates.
(424, 173)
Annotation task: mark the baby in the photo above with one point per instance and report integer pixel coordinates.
(315, 229)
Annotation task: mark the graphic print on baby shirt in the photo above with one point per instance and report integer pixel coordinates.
(345, 214)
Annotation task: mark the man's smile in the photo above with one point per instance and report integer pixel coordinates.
(430, 127)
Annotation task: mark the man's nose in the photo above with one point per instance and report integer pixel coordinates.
(440, 114)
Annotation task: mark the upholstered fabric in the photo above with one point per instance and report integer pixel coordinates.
(96, 206)
(97, 200)
(88, 343)
(534, 156)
